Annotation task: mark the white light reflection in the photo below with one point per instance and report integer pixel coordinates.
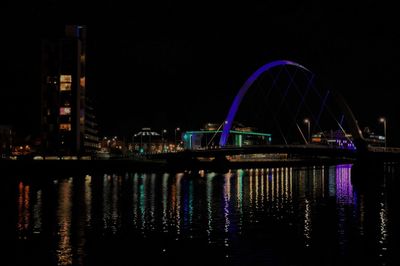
(272, 185)
(256, 189)
(314, 183)
(88, 198)
(142, 201)
(251, 190)
(37, 213)
(239, 196)
(227, 198)
(64, 249)
(210, 177)
(383, 229)
(106, 201)
(152, 201)
(178, 203)
(307, 223)
(135, 199)
(164, 189)
(286, 190)
(116, 181)
(262, 188)
(280, 189)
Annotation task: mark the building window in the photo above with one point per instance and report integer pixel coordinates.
(82, 82)
(65, 110)
(51, 80)
(65, 79)
(65, 86)
(65, 127)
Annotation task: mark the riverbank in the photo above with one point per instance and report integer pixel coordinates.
(65, 167)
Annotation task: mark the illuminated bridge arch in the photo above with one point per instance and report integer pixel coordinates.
(353, 126)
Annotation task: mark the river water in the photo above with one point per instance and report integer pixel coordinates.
(318, 215)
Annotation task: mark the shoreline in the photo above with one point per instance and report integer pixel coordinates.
(67, 167)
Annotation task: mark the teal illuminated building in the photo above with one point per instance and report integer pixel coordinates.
(209, 138)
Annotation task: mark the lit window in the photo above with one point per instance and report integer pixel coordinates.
(65, 86)
(65, 110)
(51, 80)
(82, 82)
(65, 78)
(65, 127)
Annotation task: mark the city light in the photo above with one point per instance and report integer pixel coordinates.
(307, 121)
(383, 120)
(176, 129)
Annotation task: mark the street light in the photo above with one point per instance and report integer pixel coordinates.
(176, 129)
(383, 120)
(307, 121)
(162, 139)
(133, 142)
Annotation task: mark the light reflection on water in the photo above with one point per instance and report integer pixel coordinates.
(23, 209)
(225, 210)
(64, 249)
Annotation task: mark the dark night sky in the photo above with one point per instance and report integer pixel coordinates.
(174, 65)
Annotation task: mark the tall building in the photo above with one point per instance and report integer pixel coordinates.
(67, 116)
(91, 142)
(6, 140)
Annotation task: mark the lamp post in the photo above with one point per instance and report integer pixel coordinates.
(176, 129)
(383, 120)
(162, 140)
(307, 121)
(133, 143)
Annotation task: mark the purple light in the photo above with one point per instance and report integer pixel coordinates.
(344, 188)
(244, 89)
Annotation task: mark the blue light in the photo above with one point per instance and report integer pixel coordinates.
(244, 89)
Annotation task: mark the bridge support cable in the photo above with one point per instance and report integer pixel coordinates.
(236, 102)
(213, 136)
(283, 101)
(305, 104)
(288, 105)
(301, 133)
(322, 108)
(346, 110)
(323, 104)
(275, 120)
(304, 96)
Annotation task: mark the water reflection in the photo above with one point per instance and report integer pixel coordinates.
(88, 198)
(23, 209)
(344, 198)
(383, 229)
(37, 213)
(344, 188)
(309, 207)
(64, 249)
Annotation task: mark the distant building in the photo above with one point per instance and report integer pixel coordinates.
(146, 141)
(374, 139)
(335, 138)
(67, 116)
(114, 146)
(6, 140)
(209, 136)
(91, 141)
